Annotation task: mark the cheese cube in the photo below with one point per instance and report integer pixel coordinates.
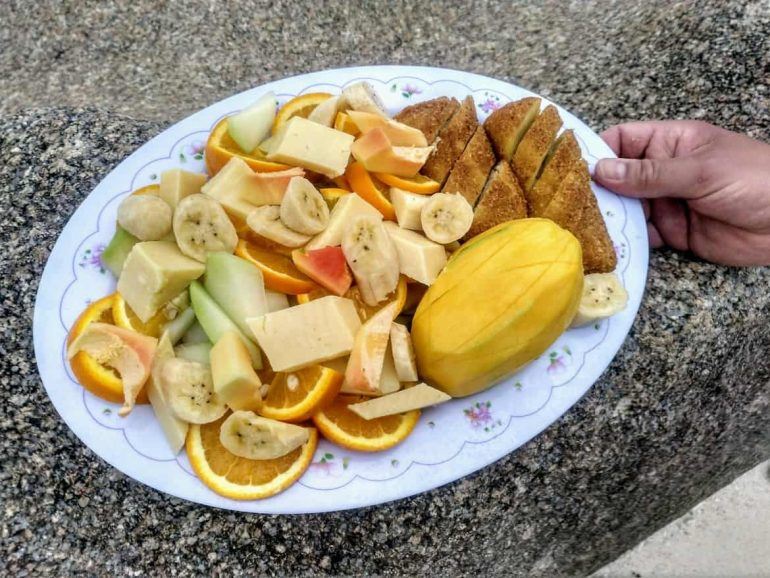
(408, 207)
(347, 207)
(308, 144)
(176, 184)
(154, 273)
(409, 399)
(419, 258)
(305, 334)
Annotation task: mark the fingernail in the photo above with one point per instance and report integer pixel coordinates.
(612, 169)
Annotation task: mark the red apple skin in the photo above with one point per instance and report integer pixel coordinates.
(398, 133)
(326, 266)
(377, 154)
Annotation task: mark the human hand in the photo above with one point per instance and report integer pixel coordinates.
(705, 189)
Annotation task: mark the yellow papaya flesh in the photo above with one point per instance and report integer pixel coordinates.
(501, 301)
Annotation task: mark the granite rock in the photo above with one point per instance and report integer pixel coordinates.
(607, 61)
(680, 412)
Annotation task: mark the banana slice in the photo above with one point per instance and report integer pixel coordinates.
(362, 96)
(603, 296)
(146, 217)
(403, 353)
(189, 391)
(266, 221)
(250, 436)
(325, 112)
(446, 217)
(372, 257)
(303, 208)
(201, 226)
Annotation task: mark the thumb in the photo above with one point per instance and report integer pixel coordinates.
(649, 178)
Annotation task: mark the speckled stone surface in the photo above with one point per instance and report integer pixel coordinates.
(682, 410)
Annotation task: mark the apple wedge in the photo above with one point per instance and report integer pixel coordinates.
(326, 266)
(250, 127)
(408, 399)
(367, 357)
(375, 151)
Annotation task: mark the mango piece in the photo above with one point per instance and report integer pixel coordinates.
(176, 184)
(234, 379)
(501, 301)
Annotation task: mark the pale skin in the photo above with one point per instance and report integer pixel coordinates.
(705, 189)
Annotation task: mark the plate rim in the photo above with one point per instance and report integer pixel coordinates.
(395, 71)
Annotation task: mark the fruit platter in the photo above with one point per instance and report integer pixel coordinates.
(339, 289)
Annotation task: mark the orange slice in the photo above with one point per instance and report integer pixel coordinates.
(279, 271)
(362, 183)
(240, 478)
(147, 190)
(296, 396)
(343, 427)
(220, 148)
(420, 184)
(100, 380)
(331, 196)
(344, 123)
(125, 317)
(364, 311)
(301, 105)
(342, 183)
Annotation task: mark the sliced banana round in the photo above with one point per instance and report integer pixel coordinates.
(446, 217)
(250, 436)
(189, 391)
(201, 226)
(303, 208)
(146, 217)
(372, 257)
(362, 96)
(266, 221)
(603, 296)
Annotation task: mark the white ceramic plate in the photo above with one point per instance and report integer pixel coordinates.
(450, 441)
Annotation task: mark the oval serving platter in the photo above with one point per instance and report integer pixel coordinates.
(450, 441)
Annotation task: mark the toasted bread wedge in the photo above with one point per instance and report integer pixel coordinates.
(598, 251)
(507, 125)
(560, 163)
(568, 203)
(501, 200)
(472, 168)
(534, 147)
(430, 116)
(452, 140)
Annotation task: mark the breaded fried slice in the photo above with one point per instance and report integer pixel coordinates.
(574, 208)
(507, 125)
(558, 164)
(501, 200)
(452, 140)
(534, 147)
(472, 168)
(598, 251)
(429, 116)
(568, 203)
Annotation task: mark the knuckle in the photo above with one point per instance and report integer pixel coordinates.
(648, 172)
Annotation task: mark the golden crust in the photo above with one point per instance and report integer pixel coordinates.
(568, 203)
(508, 124)
(534, 147)
(565, 154)
(429, 116)
(471, 170)
(451, 141)
(501, 200)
